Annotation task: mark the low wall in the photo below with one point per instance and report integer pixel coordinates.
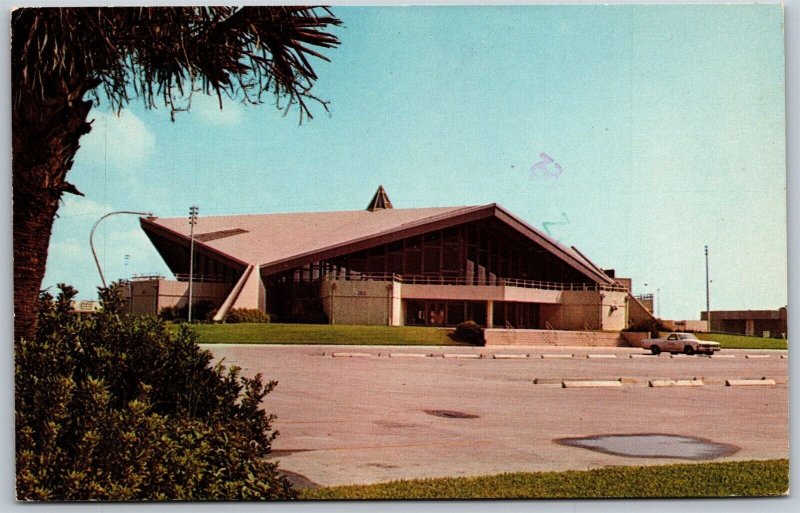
(150, 296)
(365, 302)
(512, 337)
(634, 338)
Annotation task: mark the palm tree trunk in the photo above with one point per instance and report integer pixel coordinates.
(33, 223)
(45, 134)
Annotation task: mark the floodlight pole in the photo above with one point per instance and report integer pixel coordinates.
(708, 302)
(192, 220)
(657, 302)
(91, 237)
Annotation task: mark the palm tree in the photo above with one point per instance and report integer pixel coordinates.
(64, 60)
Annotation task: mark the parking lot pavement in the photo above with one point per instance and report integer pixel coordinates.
(380, 416)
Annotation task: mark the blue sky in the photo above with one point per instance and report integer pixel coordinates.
(667, 123)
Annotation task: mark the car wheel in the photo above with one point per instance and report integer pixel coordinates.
(688, 350)
(655, 349)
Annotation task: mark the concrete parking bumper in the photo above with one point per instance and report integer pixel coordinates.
(749, 382)
(676, 383)
(591, 384)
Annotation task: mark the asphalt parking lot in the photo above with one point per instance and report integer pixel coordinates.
(356, 414)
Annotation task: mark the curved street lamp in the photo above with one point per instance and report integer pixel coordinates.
(91, 237)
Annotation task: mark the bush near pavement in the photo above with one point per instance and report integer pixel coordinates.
(240, 315)
(110, 407)
(202, 311)
(469, 332)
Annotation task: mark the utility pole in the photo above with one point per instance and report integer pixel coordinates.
(192, 220)
(708, 303)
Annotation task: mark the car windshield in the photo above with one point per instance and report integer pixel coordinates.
(684, 336)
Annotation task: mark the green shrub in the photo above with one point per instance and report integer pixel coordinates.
(469, 332)
(237, 315)
(110, 407)
(652, 326)
(202, 310)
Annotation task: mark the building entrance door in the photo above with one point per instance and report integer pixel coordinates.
(443, 313)
(437, 313)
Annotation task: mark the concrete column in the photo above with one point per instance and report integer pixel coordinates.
(749, 327)
(489, 313)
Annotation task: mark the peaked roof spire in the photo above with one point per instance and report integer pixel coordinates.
(379, 201)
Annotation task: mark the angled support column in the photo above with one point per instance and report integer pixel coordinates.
(245, 294)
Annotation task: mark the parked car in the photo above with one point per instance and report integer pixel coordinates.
(680, 343)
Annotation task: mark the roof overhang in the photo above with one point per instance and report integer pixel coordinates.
(578, 262)
(582, 264)
(162, 236)
(407, 230)
(158, 234)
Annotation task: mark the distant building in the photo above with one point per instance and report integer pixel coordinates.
(690, 325)
(381, 265)
(759, 323)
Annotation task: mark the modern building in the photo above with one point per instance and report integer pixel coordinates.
(759, 323)
(382, 265)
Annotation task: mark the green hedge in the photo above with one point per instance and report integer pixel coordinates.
(469, 332)
(240, 315)
(116, 408)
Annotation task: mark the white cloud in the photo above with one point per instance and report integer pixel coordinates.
(68, 249)
(206, 109)
(79, 206)
(70, 259)
(118, 141)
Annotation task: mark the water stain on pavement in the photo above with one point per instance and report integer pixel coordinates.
(451, 414)
(287, 452)
(653, 445)
(392, 424)
(381, 465)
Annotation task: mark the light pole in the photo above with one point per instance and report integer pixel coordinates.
(657, 301)
(708, 302)
(91, 237)
(192, 220)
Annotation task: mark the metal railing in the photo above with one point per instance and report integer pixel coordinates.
(145, 277)
(462, 280)
(205, 278)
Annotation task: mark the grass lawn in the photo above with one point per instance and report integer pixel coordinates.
(740, 478)
(275, 333)
(743, 341)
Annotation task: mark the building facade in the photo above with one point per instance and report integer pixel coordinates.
(758, 323)
(424, 266)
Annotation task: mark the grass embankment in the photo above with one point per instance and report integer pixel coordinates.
(740, 478)
(276, 333)
(743, 341)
